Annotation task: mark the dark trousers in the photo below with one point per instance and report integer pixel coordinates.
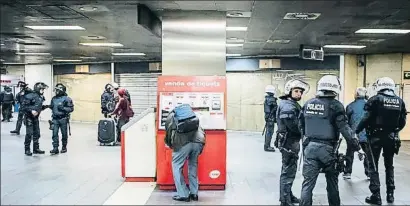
(6, 110)
(270, 127)
(32, 133)
(350, 159)
(121, 122)
(60, 124)
(289, 169)
(379, 142)
(319, 158)
(20, 119)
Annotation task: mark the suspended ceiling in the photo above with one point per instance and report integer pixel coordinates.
(268, 32)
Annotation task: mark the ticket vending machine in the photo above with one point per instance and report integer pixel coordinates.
(207, 97)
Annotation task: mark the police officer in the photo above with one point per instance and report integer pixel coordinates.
(321, 121)
(355, 112)
(32, 106)
(288, 137)
(7, 103)
(61, 106)
(385, 117)
(19, 97)
(107, 100)
(270, 106)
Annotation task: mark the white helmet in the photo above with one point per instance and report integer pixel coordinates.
(115, 85)
(361, 92)
(296, 83)
(385, 83)
(329, 83)
(270, 89)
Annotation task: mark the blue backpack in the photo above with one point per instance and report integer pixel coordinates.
(185, 119)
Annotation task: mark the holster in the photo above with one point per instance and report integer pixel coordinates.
(281, 138)
(51, 124)
(397, 143)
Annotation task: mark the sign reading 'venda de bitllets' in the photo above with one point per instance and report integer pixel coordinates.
(205, 94)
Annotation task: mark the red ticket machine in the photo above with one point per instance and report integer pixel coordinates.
(207, 97)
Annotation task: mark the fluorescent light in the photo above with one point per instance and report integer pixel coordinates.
(344, 46)
(55, 27)
(83, 57)
(1, 44)
(233, 45)
(1, 60)
(67, 60)
(237, 28)
(283, 70)
(102, 44)
(382, 31)
(327, 73)
(33, 53)
(128, 54)
(233, 55)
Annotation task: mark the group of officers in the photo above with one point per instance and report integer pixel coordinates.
(31, 102)
(320, 121)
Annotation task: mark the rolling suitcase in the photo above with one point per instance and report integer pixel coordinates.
(107, 132)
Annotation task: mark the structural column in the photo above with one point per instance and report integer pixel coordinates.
(41, 73)
(193, 43)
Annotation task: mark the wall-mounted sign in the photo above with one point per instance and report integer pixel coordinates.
(406, 75)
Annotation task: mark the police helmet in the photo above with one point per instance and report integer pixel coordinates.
(7, 89)
(270, 89)
(108, 87)
(361, 92)
(22, 84)
(115, 85)
(296, 83)
(39, 86)
(60, 88)
(329, 83)
(385, 83)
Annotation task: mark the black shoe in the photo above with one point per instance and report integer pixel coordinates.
(28, 152)
(38, 151)
(15, 132)
(294, 200)
(8, 120)
(182, 199)
(63, 149)
(193, 197)
(269, 149)
(390, 197)
(3, 120)
(347, 176)
(374, 199)
(286, 204)
(54, 151)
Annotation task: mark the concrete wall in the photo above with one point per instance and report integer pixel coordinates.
(380, 65)
(15, 70)
(350, 78)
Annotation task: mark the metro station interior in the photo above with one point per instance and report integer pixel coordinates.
(219, 54)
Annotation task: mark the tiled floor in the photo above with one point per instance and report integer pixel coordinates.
(90, 175)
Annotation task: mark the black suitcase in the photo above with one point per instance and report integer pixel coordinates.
(107, 132)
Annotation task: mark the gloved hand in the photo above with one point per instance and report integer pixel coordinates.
(60, 107)
(397, 144)
(361, 154)
(355, 144)
(276, 144)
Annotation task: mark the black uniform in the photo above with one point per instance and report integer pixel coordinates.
(322, 119)
(287, 140)
(7, 102)
(20, 117)
(270, 106)
(385, 116)
(61, 106)
(33, 101)
(107, 101)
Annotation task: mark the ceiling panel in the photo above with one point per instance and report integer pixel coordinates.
(115, 22)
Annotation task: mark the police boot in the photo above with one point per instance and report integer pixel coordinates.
(27, 152)
(15, 132)
(286, 204)
(38, 151)
(64, 149)
(374, 199)
(54, 151)
(390, 197)
(294, 200)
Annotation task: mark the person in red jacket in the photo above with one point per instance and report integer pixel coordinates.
(123, 111)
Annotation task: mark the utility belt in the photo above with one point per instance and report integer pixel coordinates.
(307, 140)
(59, 117)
